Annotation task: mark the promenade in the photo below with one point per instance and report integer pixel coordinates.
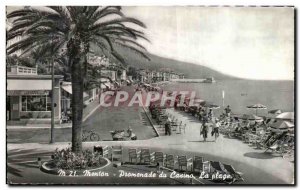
(258, 167)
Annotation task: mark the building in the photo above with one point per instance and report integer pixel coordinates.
(166, 76)
(109, 73)
(181, 76)
(142, 75)
(159, 76)
(123, 75)
(29, 95)
(174, 75)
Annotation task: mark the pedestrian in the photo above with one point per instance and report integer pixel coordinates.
(168, 127)
(200, 113)
(210, 114)
(169, 130)
(175, 104)
(204, 130)
(227, 111)
(215, 130)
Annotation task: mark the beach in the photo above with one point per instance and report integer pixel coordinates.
(242, 93)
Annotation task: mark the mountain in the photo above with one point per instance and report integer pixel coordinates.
(190, 70)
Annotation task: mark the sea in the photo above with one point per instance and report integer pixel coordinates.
(239, 94)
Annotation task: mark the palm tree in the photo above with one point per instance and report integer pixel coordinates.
(75, 29)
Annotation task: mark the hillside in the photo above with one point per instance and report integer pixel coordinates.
(190, 70)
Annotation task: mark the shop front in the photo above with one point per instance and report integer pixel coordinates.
(29, 98)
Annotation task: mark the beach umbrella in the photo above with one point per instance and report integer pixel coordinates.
(283, 126)
(257, 107)
(286, 116)
(251, 117)
(275, 112)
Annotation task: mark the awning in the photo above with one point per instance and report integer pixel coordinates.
(85, 94)
(68, 88)
(30, 85)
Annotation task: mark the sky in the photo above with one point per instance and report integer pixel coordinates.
(246, 42)
(254, 43)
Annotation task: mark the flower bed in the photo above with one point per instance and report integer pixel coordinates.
(68, 161)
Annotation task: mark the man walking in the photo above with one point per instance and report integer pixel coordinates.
(168, 128)
(215, 129)
(227, 111)
(204, 128)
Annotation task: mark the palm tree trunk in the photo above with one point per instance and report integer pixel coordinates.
(77, 105)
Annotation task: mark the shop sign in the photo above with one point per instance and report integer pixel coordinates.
(27, 92)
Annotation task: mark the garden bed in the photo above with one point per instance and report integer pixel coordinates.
(66, 163)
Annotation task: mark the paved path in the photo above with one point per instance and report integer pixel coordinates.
(101, 120)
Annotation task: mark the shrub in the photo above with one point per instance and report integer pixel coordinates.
(30, 115)
(24, 117)
(67, 160)
(46, 116)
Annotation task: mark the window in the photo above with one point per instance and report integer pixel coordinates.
(36, 103)
(48, 103)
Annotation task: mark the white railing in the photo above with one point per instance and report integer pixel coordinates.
(21, 70)
(26, 70)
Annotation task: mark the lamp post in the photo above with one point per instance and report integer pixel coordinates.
(52, 97)
(100, 85)
(223, 97)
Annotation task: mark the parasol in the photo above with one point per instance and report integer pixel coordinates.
(251, 117)
(286, 116)
(275, 112)
(256, 107)
(283, 126)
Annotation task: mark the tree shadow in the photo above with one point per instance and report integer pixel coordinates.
(13, 171)
(202, 141)
(19, 152)
(24, 158)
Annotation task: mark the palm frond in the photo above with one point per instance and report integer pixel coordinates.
(62, 11)
(130, 42)
(98, 12)
(137, 51)
(100, 25)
